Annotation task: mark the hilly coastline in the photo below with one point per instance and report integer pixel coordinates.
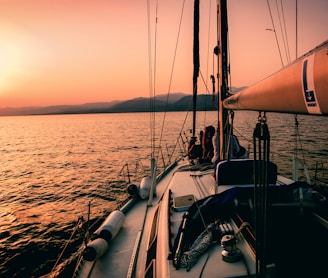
(175, 102)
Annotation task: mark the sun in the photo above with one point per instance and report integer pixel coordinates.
(10, 63)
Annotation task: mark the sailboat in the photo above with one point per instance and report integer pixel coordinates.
(234, 216)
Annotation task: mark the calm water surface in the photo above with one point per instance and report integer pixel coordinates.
(52, 167)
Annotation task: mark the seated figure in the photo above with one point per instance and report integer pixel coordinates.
(235, 149)
(195, 151)
(208, 149)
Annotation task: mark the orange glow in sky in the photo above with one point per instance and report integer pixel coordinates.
(78, 51)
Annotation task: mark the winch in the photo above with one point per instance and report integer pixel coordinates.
(230, 252)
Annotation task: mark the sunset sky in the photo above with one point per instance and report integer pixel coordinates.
(78, 51)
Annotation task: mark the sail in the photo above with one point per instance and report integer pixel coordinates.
(301, 88)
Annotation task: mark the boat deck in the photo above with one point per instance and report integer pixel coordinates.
(120, 258)
(200, 184)
(153, 229)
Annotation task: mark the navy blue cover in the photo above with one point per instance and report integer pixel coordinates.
(241, 171)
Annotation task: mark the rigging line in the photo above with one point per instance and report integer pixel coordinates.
(240, 135)
(205, 84)
(154, 90)
(298, 139)
(229, 128)
(181, 131)
(296, 54)
(150, 70)
(207, 93)
(216, 57)
(66, 244)
(296, 29)
(275, 33)
(228, 63)
(208, 40)
(208, 47)
(152, 75)
(283, 33)
(172, 70)
(182, 127)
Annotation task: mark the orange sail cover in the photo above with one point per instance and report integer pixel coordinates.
(301, 88)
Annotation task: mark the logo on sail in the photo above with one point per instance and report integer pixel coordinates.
(308, 86)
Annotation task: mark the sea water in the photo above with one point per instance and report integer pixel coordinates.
(55, 168)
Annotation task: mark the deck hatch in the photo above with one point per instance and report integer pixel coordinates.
(182, 203)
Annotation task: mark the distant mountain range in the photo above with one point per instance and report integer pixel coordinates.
(175, 102)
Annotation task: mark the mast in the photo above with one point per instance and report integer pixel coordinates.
(224, 69)
(196, 63)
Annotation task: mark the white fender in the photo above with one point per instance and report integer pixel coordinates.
(145, 186)
(111, 226)
(106, 232)
(133, 189)
(95, 249)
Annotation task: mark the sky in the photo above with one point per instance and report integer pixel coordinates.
(55, 52)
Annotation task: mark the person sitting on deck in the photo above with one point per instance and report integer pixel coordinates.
(235, 149)
(195, 151)
(208, 149)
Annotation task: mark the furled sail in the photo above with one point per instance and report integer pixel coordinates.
(301, 87)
